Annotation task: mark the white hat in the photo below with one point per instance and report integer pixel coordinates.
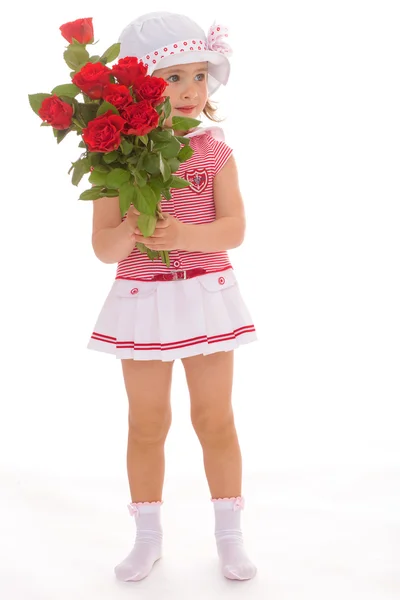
(163, 39)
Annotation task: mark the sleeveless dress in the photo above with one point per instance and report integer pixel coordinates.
(155, 312)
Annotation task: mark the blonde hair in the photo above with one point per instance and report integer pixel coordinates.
(210, 111)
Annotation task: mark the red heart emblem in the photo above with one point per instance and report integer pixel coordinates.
(198, 179)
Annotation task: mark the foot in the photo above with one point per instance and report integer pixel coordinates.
(235, 563)
(148, 544)
(139, 562)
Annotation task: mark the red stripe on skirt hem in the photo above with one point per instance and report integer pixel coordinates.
(103, 338)
(174, 345)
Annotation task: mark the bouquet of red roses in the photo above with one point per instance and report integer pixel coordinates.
(119, 119)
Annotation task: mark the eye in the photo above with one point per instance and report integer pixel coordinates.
(200, 77)
(173, 78)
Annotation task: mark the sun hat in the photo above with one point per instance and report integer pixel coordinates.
(164, 39)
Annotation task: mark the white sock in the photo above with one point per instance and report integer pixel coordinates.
(234, 561)
(148, 543)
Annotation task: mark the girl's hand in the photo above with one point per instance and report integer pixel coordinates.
(168, 235)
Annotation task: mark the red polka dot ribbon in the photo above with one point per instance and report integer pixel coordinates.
(215, 42)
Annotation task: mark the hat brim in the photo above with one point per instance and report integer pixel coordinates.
(218, 65)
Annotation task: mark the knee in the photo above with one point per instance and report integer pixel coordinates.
(151, 429)
(213, 427)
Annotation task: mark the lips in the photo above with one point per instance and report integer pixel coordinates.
(185, 109)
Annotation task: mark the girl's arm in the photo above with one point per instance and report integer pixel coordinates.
(112, 240)
(226, 232)
(228, 229)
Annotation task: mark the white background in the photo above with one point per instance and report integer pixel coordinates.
(312, 113)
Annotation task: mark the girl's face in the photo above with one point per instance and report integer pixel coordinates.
(187, 89)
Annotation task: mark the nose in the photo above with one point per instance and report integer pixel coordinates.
(190, 91)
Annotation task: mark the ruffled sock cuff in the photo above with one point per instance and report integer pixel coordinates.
(144, 507)
(234, 503)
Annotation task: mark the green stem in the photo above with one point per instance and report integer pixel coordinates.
(165, 257)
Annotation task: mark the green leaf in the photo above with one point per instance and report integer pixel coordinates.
(87, 112)
(93, 194)
(160, 145)
(183, 140)
(104, 107)
(82, 144)
(146, 200)
(156, 185)
(98, 178)
(161, 136)
(102, 168)
(127, 195)
(167, 108)
(67, 89)
(178, 182)
(152, 164)
(95, 58)
(152, 254)
(61, 134)
(140, 177)
(133, 159)
(147, 224)
(111, 53)
(184, 123)
(77, 124)
(110, 157)
(35, 100)
(95, 159)
(142, 156)
(141, 247)
(165, 169)
(144, 139)
(168, 149)
(126, 147)
(185, 153)
(81, 167)
(76, 56)
(174, 163)
(75, 42)
(109, 193)
(167, 194)
(116, 177)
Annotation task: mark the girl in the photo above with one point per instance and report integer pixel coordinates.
(191, 311)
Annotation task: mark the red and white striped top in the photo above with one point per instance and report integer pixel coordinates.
(194, 204)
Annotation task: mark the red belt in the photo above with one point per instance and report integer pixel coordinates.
(174, 275)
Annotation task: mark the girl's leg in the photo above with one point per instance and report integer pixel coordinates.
(148, 385)
(209, 381)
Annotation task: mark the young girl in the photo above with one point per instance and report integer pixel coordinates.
(192, 310)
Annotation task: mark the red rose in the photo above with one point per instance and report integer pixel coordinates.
(103, 134)
(117, 95)
(56, 112)
(140, 118)
(128, 69)
(92, 79)
(150, 88)
(81, 30)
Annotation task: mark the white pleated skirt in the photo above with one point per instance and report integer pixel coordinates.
(168, 320)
